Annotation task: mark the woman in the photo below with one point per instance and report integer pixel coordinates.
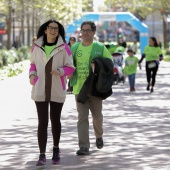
(51, 62)
(72, 40)
(153, 55)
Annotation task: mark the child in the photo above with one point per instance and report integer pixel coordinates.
(130, 68)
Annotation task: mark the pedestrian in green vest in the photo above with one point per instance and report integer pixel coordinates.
(83, 53)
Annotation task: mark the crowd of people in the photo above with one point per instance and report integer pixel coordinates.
(53, 61)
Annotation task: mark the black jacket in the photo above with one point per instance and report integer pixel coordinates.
(99, 83)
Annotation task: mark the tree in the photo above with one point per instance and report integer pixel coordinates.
(30, 14)
(87, 5)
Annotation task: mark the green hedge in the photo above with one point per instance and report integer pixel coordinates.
(167, 55)
(11, 61)
(13, 56)
(11, 70)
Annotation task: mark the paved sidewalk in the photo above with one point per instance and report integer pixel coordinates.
(136, 128)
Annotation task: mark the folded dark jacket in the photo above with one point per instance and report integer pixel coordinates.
(99, 83)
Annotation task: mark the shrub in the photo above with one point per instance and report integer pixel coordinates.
(11, 70)
(167, 55)
(10, 61)
(13, 56)
(167, 52)
(23, 53)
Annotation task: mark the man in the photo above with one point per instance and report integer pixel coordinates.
(122, 43)
(83, 53)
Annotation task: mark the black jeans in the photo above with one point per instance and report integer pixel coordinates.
(43, 116)
(151, 74)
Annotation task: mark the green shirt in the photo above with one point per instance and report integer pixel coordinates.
(152, 53)
(131, 64)
(48, 50)
(82, 56)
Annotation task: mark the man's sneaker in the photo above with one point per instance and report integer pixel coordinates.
(82, 151)
(42, 160)
(99, 143)
(133, 89)
(56, 156)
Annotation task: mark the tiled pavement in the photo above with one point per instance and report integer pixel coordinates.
(136, 128)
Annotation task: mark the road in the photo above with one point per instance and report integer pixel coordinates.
(136, 128)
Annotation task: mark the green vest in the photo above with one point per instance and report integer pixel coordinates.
(97, 51)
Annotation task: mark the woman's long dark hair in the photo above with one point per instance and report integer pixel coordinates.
(43, 27)
(155, 41)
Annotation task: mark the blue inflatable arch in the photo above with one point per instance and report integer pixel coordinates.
(113, 16)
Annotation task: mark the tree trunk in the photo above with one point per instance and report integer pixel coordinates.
(22, 23)
(8, 45)
(37, 23)
(164, 31)
(28, 30)
(33, 24)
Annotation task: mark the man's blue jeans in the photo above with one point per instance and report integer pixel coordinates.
(131, 80)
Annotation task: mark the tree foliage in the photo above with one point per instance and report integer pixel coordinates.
(32, 13)
(143, 8)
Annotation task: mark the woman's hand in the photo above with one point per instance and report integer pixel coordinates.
(56, 72)
(32, 77)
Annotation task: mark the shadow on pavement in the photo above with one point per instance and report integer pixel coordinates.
(136, 129)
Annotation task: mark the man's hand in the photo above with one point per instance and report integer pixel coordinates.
(93, 67)
(70, 76)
